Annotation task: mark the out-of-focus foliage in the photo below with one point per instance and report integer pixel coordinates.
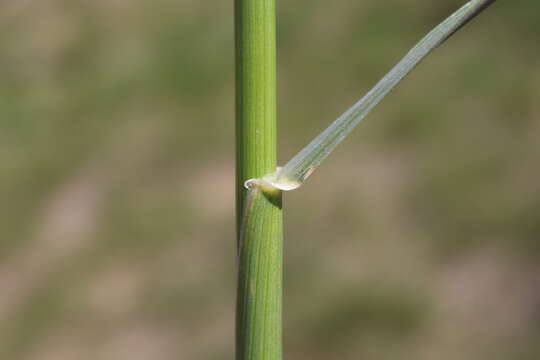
(116, 182)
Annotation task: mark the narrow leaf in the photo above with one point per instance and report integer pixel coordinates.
(295, 172)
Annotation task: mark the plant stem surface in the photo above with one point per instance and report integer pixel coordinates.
(259, 215)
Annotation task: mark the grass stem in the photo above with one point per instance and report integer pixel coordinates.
(259, 217)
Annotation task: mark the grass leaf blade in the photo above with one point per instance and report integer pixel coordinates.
(295, 172)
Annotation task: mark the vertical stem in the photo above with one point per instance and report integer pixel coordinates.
(256, 91)
(259, 217)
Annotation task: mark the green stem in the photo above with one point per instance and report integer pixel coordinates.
(259, 217)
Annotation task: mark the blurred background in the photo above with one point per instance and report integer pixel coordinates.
(417, 239)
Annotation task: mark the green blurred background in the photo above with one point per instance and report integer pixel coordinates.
(418, 239)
